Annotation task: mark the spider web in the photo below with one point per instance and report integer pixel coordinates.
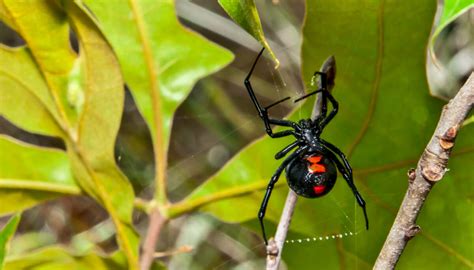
(338, 214)
(346, 223)
(338, 217)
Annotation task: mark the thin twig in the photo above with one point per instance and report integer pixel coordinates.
(156, 223)
(275, 246)
(431, 168)
(180, 250)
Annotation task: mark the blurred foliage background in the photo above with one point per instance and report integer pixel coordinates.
(214, 123)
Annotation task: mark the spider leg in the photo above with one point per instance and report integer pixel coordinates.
(336, 150)
(271, 184)
(335, 108)
(285, 150)
(308, 95)
(323, 86)
(325, 96)
(283, 133)
(263, 112)
(276, 103)
(324, 79)
(346, 171)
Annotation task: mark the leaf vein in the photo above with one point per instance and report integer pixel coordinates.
(160, 152)
(376, 83)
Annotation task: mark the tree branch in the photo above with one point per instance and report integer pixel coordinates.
(431, 168)
(275, 246)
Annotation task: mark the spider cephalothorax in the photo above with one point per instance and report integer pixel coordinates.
(311, 167)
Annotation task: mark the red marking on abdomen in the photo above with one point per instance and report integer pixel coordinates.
(314, 166)
(319, 189)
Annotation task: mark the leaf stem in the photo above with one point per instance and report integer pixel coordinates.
(186, 206)
(122, 237)
(430, 169)
(159, 146)
(142, 205)
(40, 186)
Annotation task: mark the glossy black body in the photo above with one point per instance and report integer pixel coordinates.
(308, 143)
(302, 180)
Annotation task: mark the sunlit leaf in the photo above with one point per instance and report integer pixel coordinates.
(4, 16)
(85, 102)
(386, 117)
(93, 154)
(22, 86)
(54, 55)
(6, 233)
(30, 175)
(245, 14)
(160, 60)
(55, 257)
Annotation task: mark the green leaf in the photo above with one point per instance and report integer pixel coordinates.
(6, 235)
(451, 10)
(161, 61)
(386, 117)
(86, 101)
(55, 257)
(93, 153)
(245, 14)
(24, 87)
(30, 175)
(32, 240)
(244, 174)
(5, 16)
(53, 55)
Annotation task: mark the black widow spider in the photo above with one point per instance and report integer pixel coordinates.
(311, 168)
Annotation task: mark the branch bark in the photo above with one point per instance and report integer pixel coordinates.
(430, 169)
(157, 220)
(275, 245)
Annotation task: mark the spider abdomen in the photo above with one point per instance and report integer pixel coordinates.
(312, 175)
